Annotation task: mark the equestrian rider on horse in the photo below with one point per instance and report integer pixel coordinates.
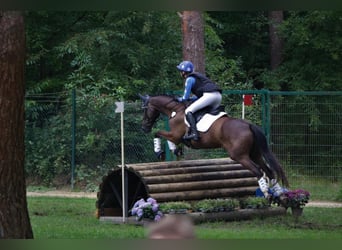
(206, 94)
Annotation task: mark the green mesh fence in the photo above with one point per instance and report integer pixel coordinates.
(304, 131)
(306, 135)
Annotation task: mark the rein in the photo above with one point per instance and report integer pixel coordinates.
(174, 106)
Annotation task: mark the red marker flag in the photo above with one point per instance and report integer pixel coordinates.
(248, 100)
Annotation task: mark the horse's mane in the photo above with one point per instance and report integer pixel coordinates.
(173, 97)
(165, 95)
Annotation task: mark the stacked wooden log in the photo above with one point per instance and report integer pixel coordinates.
(196, 179)
(176, 181)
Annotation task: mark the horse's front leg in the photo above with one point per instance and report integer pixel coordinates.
(169, 135)
(172, 142)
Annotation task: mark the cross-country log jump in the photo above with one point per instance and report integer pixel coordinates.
(244, 142)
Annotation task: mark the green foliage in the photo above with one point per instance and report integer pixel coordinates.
(130, 51)
(98, 138)
(312, 52)
(175, 207)
(114, 55)
(47, 141)
(254, 202)
(245, 36)
(120, 52)
(216, 205)
(339, 195)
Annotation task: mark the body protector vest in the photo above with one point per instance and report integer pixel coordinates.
(203, 84)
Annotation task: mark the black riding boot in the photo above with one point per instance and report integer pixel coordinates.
(193, 133)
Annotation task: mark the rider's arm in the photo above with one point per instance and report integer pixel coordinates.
(193, 98)
(189, 82)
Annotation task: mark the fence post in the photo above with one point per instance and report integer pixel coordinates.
(266, 113)
(73, 137)
(268, 121)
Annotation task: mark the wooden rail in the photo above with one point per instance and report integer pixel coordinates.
(175, 181)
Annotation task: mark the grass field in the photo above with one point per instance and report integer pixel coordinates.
(74, 218)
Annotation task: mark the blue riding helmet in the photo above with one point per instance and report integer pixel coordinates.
(186, 66)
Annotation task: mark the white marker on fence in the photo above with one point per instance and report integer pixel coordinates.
(120, 109)
(247, 100)
(243, 107)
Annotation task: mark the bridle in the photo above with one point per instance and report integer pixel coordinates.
(151, 113)
(149, 120)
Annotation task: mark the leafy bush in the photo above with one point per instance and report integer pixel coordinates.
(175, 207)
(216, 205)
(254, 202)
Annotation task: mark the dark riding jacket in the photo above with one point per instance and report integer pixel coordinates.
(203, 84)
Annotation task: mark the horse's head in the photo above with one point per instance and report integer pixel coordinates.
(150, 114)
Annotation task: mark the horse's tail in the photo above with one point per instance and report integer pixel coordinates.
(261, 142)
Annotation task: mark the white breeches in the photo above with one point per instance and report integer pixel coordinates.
(212, 99)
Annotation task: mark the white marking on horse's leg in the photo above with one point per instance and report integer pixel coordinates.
(277, 189)
(171, 145)
(157, 144)
(263, 186)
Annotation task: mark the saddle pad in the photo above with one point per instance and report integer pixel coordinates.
(207, 120)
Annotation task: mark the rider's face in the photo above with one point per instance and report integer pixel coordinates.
(183, 74)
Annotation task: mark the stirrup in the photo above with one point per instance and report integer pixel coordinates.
(192, 136)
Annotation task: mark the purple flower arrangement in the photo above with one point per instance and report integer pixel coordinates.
(148, 209)
(296, 198)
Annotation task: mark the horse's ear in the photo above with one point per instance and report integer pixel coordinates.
(145, 99)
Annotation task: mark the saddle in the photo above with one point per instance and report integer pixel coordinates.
(206, 117)
(208, 110)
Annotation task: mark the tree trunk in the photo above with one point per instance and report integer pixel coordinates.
(276, 43)
(193, 39)
(14, 218)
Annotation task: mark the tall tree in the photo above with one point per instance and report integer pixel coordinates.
(193, 38)
(14, 218)
(276, 43)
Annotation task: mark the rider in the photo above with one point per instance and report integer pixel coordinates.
(206, 93)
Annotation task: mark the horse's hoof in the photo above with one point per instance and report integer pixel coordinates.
(178, 152)
(160, 155)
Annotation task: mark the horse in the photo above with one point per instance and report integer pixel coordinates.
(244, 142)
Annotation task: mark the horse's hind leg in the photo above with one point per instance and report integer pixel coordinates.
(260, 162)
(255, 169)
(277, 189)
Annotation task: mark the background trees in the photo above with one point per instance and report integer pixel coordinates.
(111, 55)
(120, 53)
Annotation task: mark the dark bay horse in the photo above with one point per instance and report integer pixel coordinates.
(243, 141)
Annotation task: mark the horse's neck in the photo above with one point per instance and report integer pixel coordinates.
(168, 107)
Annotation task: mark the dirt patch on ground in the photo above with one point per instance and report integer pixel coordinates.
(63, 194)
(324, 204)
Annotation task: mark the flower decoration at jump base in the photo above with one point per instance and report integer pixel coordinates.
(296, 198)
(148, 209)
(293, 198)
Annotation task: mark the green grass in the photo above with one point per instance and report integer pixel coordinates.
(320, 189)
(74, 218)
